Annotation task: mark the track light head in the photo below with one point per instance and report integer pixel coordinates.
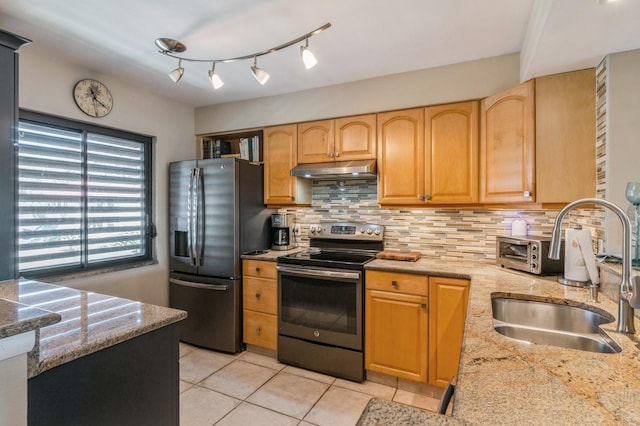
(308, 58)
(216, 81)
(177, 74)
(261, 75)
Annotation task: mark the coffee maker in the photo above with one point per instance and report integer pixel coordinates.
(282, 231)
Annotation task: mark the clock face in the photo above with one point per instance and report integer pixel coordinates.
(93, 98)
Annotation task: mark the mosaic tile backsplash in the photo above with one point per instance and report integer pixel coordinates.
(435, 232)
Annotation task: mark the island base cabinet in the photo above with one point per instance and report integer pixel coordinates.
(135, 382)
(396, 336)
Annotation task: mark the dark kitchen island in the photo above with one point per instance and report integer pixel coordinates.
(108, 361)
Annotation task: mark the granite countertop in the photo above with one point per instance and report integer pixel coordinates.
(270, 255)
(503, 381)
(16, 318)
(88, 322)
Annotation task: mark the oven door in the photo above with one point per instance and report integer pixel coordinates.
(321, 305)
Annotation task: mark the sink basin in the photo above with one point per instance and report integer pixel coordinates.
(552, 322)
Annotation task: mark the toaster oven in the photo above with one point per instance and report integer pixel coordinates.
(528, 254)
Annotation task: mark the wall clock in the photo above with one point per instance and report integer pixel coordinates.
(93, 98)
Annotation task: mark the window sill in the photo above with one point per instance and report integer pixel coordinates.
(95, 272)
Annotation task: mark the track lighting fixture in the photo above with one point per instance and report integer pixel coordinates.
(177, 74)
(172, 48)
(216, 81)
(308, 58)
(261, 75)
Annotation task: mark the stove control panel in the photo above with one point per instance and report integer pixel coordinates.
(347, 230)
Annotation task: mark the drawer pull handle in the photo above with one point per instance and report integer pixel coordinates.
(394, 283)
(258, 331)
(258, 296)
(257, 269)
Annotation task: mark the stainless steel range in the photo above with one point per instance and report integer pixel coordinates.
(321, 299)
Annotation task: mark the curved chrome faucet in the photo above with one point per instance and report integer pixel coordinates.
(629, 297)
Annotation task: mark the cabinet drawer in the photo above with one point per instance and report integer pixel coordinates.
(259, 268)
(260, 295)
(260, 329)
(395, 282)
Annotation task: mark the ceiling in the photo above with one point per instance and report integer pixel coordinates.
(368, 38)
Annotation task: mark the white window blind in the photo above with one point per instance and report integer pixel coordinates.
(83, 199)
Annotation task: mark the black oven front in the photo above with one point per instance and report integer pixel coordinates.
(320, 316)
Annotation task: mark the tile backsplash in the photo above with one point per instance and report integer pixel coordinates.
(435, 232)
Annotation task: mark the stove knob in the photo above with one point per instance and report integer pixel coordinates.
(377, 232)
(312, 229)
(362, 230)
(319, 230)
(369, 231)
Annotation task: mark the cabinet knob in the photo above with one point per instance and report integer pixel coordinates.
(257, 269)
(336, 154)
(258, 331)
(526, 194)
(421, 197)
(293, 198)
(258, 296)
(427, 197)
(330, 155)
(394, 283)
(423, 305)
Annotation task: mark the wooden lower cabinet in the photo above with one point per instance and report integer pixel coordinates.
(448, 299)
(260, 303)
(414, 325)
(396, 327)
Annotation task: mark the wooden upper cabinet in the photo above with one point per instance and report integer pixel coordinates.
(429, 155)
(315, 142)
(342, 139)
(355, 137)
(507, 146)
(280, 156)
(451, 154)
(566, 136)
(401, 156)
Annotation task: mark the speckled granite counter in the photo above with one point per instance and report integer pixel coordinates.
(16, 318)
(502, 381)
(89, 321)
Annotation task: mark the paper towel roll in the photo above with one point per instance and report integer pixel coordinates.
(519, 227)
(575, 268)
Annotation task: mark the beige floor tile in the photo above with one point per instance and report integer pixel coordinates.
(338, 406)
(289, 394)
(319, 377)
(263, 360)
(238, 379)
(204, 407)
(384, 379)
(370, 388)
(417, 400)
(249, 414)
(184, 385)
(184, 349)
(201, 363)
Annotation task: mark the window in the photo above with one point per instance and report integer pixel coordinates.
(84, 196)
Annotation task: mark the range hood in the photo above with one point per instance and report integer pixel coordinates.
(336, 169)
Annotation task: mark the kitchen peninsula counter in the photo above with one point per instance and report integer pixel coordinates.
(89, 321)
(502, 381)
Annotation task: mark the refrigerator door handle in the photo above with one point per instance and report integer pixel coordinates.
(217, 287)
(191, 235)
(199, 253)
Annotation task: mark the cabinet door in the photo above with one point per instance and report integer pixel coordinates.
(401, 157)
(355, 138)
(396, 334)
(451, 153)
(280, 156)
(315, 142)
(565, 136)
(507, 150)
(448, 299)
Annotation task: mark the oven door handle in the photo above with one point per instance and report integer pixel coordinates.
(318, 274)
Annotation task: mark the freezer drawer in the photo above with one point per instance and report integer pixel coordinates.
(214, 308)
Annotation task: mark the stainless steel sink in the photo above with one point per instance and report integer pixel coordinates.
(552, 322)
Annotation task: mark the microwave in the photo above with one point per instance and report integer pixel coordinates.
(528, 254)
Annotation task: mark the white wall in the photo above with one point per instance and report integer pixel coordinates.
(46, 86)
(450, 83)
(623, 136)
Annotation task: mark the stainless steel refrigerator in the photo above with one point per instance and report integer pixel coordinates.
(216, 212)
